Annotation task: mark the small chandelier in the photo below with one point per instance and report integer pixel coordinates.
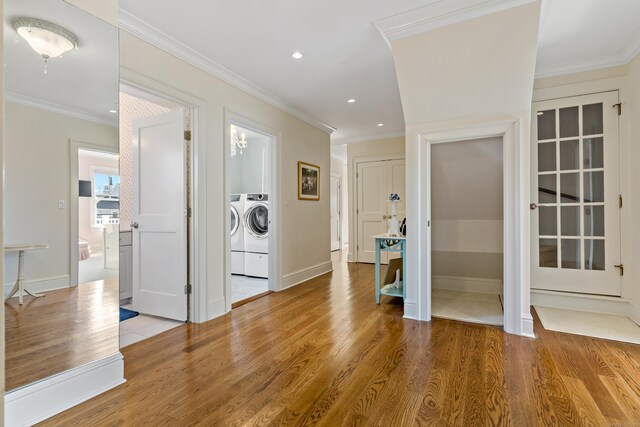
(47, 39)
(240, 143)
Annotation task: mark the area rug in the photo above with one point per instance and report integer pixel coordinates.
(609, 327)
(127, 314)
(466, 307)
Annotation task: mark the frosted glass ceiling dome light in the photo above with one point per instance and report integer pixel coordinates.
(47, 39)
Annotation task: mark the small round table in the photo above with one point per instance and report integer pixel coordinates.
(19, 285)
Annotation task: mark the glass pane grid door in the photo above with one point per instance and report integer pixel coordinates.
(576, 170)
(571, 187)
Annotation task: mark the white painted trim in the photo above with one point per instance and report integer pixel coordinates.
(216, 308)
(74, 232)
(514, 130)
(439, 14)
(41, 400)
(141, 83)
(143, 30)
(353, 195)
(295, 278)
(634, 312)
(367, 138)
(467, 284)
(59, 109)
(410, 309)
(581, 302)
(526, 326)
(42, 285)
(275, 135)
(338, 176)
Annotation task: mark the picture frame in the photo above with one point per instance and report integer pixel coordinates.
(308, 181)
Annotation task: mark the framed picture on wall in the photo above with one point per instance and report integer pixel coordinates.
(308, 181)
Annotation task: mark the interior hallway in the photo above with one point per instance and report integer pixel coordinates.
(324, 353)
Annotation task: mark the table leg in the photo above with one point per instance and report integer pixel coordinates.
(19, 285)
(377, 272)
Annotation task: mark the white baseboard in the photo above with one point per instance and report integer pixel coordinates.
(31, 404)
(350, 257)
(216, 308)
(410, 309)
(634, 312)
(581, 302)
(300, 276)
(41, 285)
(526, 328)
(467, 284)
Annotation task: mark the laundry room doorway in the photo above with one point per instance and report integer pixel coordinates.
(251, 187)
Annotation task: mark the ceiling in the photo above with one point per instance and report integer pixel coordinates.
(83, 83)
(344, 55)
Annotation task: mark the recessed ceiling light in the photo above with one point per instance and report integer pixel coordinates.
(351, 101)
(113, 111)
(297, 55)
(380, 125)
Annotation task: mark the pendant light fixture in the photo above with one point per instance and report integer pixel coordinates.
(47, 39)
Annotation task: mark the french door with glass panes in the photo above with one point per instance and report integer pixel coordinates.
(575, 190)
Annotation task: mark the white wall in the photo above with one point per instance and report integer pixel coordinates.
(476, 72)
(467, 209)
(304, 233)
(37, 162)
(250, 170)
(85, 229)
(2, 203)
(361, 150)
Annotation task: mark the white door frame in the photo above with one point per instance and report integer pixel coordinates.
(274, 279)
(198, 246)
(74, 262)
(515, 135)
(354, 194)
(339, 177)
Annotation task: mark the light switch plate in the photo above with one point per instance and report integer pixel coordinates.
(60, 204)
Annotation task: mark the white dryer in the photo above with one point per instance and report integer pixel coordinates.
(256, 235)
(237, 233)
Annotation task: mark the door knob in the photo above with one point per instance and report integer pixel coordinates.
(533, 206)
(384, 217)
(134, 225)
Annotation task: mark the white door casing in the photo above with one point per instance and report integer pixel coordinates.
(159, 209)
(336, 228)
(375, 181)
(575, 184)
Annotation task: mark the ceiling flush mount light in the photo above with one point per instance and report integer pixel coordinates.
(380, 125)
(113, 111)
(237, 143)
(351, 101)
(47, 39)
(540, 113)
(297, 55)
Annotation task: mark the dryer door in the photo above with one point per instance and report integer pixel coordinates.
(235, 220)
(256, 220)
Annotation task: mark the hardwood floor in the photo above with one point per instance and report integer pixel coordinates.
(323, 353)
(62, 330)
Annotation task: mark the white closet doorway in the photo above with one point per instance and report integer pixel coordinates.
(375, 180)
(336, 208)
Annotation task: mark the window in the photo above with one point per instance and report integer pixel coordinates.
(105, 207)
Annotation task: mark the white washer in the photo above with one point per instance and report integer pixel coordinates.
(256, 235)
(237, 233)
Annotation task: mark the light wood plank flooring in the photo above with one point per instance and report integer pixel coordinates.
(323, 353)
(62, 330)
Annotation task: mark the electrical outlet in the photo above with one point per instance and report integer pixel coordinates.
(60, 204)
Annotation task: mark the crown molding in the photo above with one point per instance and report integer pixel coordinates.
(58, 109)
(141, 29)
(439, 14)
(375, 137)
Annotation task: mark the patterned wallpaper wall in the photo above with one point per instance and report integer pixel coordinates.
(131, 108)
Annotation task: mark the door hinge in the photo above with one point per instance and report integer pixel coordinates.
(620, 201)
(188, 212)
(357, 174)
(619, 105)
(621, 267)
(187, 135)
(358, 247)
(188, 289)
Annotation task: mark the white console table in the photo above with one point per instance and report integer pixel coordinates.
(19, 286)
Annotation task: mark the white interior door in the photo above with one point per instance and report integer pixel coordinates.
(375, 181)
(159, 228)
(575, 244)
(335, 213)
